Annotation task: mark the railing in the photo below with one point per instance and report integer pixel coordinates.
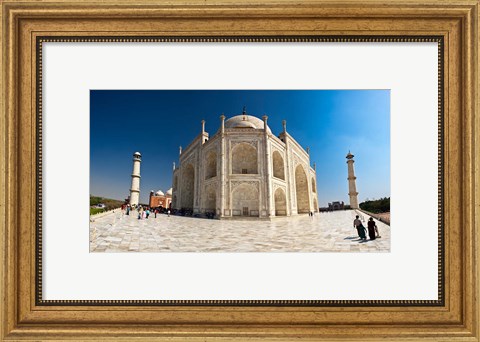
(376, 216)
(103, 213)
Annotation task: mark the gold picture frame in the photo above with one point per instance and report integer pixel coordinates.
(454, 24)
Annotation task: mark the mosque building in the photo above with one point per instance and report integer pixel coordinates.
(244, 170)
(159, 199)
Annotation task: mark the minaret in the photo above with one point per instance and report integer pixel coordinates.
(204, 134)
(135, 189)
(352, 187)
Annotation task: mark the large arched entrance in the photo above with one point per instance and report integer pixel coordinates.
(278, 167)
(245, 201)
(280, 203)
(188, 187)
(244, 159)
(301, 190)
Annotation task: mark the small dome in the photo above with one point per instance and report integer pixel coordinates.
(245, 121)
(159, 193)
(137, 154)
(169, 192)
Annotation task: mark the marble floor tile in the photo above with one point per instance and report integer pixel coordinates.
(325, 232)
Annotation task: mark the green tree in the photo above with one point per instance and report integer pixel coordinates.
(109, 203)
(381, 205)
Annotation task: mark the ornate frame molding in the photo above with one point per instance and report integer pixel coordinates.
(26, 316)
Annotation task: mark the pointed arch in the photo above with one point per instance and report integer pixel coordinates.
(301, 190)
(244, 159)
(280, 203)
(245, 201)
(210, 199)
(278, 165)
(188, 187)
(211, 165)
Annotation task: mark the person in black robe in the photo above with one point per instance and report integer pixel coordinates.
(371, 228)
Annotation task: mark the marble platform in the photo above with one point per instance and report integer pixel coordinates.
(325, 232)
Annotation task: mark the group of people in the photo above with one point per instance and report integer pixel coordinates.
(126, 209)
(143, 213)
(372, 229)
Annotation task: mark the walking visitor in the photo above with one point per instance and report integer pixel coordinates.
(360, 228)
(371, 228)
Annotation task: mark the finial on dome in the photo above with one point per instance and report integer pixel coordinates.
(244, 113)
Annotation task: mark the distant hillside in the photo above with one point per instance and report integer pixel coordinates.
(109, 203)
(381, 205)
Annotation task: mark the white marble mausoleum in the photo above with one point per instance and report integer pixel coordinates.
(245, 170)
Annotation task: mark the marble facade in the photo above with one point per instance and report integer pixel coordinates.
(244, 170)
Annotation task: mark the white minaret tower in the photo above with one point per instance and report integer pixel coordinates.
(352, 187)
(135, 189)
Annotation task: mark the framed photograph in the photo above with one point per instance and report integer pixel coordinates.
(209, 202)
(222, 171)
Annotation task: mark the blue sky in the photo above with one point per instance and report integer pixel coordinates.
(157, 122)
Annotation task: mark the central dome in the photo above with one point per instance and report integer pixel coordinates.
(245, 121)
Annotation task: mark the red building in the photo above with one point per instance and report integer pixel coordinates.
(159, 199)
